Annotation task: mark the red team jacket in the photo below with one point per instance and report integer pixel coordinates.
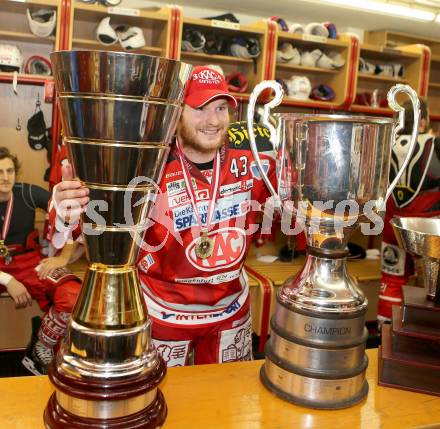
(173, 278)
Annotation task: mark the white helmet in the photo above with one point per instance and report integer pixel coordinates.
(316, 29)
(42, 22)
(217, 68)
(333, 60)
(105, 33)
(131, 37)
(365, 66)
(309, 59)
(299, 87)
(296, 28)
(11, 58)
(288, 54)
(36, 64)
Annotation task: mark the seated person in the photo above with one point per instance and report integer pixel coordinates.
(53, 286)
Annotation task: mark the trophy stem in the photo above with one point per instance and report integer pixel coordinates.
(110, 298)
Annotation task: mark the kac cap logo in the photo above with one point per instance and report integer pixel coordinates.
(208, 77)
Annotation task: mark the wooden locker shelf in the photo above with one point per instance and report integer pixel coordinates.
(307, 40)
(253, 69)
(15, 30)
(30, 79)
(196, 56)
(84, 18)
(411, 57)
(380, 78)
(305, 69)
(338, 79)
(95, 12)
(223, 27)
(288, 101)
(26, 37)
(431, 73)
(376, 111)
(94, 44)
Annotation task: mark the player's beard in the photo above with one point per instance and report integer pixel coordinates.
(190, 138)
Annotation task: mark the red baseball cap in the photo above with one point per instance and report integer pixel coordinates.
(206, 85)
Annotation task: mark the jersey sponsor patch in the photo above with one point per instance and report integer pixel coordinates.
(232, 188)
(146, 262)
(256, 171)
(200, 318)
(183, 198)
(174, 353)
(226, 208)
(229, 248)
(393, 259)
(178, 186)
(239, 137)
(211, 280)
(236, 344)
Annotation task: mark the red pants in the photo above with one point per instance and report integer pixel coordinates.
(62, 295)
(226, 341)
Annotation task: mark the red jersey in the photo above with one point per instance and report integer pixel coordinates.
(179, 286)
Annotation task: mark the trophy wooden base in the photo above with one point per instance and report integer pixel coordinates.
(152, 417)
(412, 339)
(418, 310)
(409, 356)
(104, 403)
(404, 370)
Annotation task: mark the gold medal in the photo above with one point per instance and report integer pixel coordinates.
(204, 247)
(3, 249)
(4, 252)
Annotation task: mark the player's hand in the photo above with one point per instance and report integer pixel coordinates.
(19, 293)
(70, 196)
(47, 266)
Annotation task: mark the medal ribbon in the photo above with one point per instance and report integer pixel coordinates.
(7, 221)
(213, 191)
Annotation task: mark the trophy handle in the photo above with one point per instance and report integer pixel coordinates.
(275, 139)
(392, 93)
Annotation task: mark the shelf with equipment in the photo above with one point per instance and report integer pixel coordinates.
(15, 31)
(430, 61)
(434, 88)
(147, 31)
(220, 34)
(327, 73)
(29, 30)
(381, 67)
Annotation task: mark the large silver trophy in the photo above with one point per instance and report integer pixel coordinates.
(332, 173)
(119, 113)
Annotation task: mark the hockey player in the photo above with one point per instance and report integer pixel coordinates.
(417, 194)
(191, 265)
(23, 273)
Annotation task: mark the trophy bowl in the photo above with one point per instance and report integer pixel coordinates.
(421, 238)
